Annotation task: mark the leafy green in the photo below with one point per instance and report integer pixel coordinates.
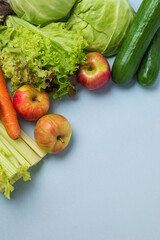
(41, 12)
(44, 57)
(103, 23)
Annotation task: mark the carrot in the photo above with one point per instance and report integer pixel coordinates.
(7, 111)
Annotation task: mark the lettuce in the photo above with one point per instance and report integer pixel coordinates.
(41, 12)
(43, 57)
(103, 23)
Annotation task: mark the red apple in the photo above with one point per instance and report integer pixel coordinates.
(30, 103)
(96, 72)
(52, 133)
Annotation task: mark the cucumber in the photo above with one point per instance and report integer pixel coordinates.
(136, 42)
(150, 65)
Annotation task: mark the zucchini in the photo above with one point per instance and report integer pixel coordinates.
(136, 42)
(150, 65)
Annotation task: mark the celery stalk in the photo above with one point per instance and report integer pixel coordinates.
(4, 149)
(33, 144)
(16, 157)
(22, 148)
(16, 154)
(10, 169)
(7, 153)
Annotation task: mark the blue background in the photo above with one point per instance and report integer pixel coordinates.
(106, 184)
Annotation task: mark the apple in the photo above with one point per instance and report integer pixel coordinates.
(96, 72)
(52, 133)
(30, 103)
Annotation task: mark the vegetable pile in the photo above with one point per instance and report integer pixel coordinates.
(43, 58)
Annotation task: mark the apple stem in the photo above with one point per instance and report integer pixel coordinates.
(60, 139)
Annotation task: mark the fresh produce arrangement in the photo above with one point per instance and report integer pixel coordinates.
(43, 56)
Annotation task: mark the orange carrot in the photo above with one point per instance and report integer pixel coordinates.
(7, 111)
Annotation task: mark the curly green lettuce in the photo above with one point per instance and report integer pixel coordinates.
(43, 57)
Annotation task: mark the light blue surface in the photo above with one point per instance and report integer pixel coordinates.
(106, 184)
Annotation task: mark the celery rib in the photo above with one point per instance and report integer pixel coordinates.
(16, 157)
(22, 148)
(4, 149)
(33, 144)
(10, 170)
(16, 154)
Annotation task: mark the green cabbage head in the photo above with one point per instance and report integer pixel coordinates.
(41, 12)
(103, 23)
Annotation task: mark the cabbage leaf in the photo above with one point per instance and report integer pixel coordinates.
(41, 12)
(43, 57)
(103, 23)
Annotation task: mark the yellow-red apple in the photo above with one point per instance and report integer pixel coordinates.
(30, 103)
(96, 72)
(52, 133)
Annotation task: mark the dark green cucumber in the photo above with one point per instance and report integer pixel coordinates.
(136, 42)
(150, 65)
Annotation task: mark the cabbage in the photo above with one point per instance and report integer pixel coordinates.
(103, 23)
(41, 12)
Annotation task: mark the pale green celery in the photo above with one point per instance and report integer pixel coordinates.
(16, 154)
(16, 157)
(6, 182)
(7, 153)
(3, 179)
(11, 174)
(5, 186)
(33, 144)
(13, 160)
(22, 148)
(5, 149)
(8, 189)
(26, 151)
(13, 167)
(10, 169)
